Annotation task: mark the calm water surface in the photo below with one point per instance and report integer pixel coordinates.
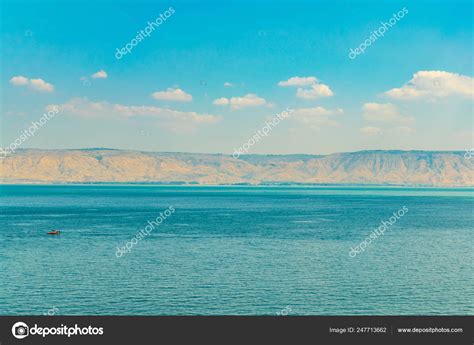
(235, 250)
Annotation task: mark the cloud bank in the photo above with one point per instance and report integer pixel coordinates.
(308, 87)
(433, 84)
(176, 95)
(34, 84)
(249, 100)
(82, 107)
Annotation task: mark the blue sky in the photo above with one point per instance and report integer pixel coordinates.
(410, 89)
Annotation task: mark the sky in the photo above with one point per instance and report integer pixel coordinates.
(205, 76)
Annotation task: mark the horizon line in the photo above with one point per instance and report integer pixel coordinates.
(246, 154)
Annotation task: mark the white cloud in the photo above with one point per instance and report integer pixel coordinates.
(315, 91)
(19, 80)
(316, 117)
(100, 74)
(371, 130)
(221, 101)
(298, 81)
(249, 100)
(41, 85)
(82, 107)
(384, 112)
(227, 84)
(434, 84)
(308, 87)
(35, 84)
(171, 94)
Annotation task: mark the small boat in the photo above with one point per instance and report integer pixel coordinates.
(54, 232)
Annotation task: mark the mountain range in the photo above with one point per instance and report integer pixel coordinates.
(98, 165)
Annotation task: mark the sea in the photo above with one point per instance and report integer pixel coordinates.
(236, 250)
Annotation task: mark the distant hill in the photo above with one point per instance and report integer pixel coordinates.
(429, 168)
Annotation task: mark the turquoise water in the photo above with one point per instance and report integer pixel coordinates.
(235, 250)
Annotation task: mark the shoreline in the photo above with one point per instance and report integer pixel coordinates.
(295, 185)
